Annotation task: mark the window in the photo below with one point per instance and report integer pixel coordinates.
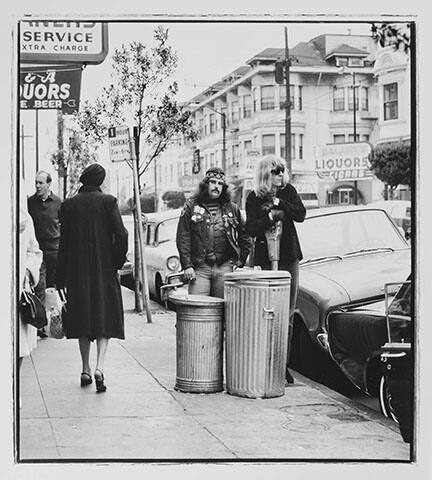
(355, 62)
(212, 159)
(268, 144)
(247, 145)
(247, 105)
(301, 146)
(212, 124)
(352, 91)
(365, 138)
(186, 168)
(338, 99)
(267, 97)
(282, 145)
(364, 98)
(234, 111)
(341, 61)
(300, 97)
(282, 96)
(255, 99)
(235, 153)
(201, 126)
(390, 101)
(339, 138)
(351, 137)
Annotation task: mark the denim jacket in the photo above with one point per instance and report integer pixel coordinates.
(193, 234)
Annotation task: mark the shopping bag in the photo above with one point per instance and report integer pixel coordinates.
(54, 304)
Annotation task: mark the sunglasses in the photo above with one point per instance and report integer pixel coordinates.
(278, 170)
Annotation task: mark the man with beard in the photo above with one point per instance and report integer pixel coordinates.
(211, 236)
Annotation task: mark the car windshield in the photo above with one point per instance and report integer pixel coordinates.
(347, 233)
(167, 230)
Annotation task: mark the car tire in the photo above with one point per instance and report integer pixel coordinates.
(385, 400)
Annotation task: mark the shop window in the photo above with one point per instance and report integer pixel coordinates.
(390, 101)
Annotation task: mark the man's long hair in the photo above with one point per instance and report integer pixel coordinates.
(264, 177)
(202, 196)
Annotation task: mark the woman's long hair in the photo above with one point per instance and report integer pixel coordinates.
(202, 196)
(264, 177)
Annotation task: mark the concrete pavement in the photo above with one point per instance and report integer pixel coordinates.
(141, 417)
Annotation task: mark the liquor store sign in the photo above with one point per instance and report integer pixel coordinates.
(50, 89)
(63, 42)
(343, 161)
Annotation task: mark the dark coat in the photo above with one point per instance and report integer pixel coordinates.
(258, 222)
(193, 234)
(93, 246)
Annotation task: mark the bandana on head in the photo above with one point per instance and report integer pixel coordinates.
(215, 172)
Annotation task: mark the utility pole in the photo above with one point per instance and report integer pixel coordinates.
(37, 139)
(287, 107)
(22, 138)
(355, 132)
(223, 115)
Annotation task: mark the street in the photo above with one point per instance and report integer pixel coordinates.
(142, 418)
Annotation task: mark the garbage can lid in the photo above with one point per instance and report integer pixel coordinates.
(249, 274)
(196, 300)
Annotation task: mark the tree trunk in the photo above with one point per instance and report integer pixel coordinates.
(137, 267)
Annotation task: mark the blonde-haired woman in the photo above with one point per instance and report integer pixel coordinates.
(273, 199)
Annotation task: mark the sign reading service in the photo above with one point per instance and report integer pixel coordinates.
(63, 42)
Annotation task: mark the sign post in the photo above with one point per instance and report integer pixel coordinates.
(122, 148)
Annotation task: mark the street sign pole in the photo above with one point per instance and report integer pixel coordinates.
(145, 290)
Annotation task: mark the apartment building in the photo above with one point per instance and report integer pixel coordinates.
(325, 72)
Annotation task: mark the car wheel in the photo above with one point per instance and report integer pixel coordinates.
(385, 400)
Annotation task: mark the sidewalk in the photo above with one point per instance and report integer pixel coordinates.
(141, 417)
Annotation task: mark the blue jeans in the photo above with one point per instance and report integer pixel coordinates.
(210, 279)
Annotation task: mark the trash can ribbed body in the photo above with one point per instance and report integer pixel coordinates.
(199, 344)
(257, 320)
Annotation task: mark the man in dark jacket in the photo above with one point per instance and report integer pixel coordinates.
(211, 236)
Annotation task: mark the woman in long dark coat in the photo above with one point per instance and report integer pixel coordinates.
(274, 199)
(93, 246)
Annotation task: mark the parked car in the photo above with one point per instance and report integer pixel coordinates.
(161, 255)
(349, 254)
(399, 210)
(357, 334)
(397, 380)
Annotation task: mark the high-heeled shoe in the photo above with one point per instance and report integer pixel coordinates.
(86, 379)
(99, 379)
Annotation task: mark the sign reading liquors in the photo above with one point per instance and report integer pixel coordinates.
(63, 42)
(119, 144)
(344, 161)
(50, 89)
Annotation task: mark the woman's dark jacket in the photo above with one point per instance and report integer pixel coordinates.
(258, 222)
(93, 246)
(193, 234)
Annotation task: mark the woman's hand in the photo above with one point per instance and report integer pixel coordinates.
(27, 280)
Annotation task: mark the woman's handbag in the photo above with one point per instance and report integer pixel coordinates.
(32, 310)
(56, 316)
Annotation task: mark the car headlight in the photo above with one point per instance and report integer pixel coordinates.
(173, 263)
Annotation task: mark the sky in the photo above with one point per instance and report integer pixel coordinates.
(209, 51)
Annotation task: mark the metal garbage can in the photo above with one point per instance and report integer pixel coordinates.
(256, 332)
(199, 343)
